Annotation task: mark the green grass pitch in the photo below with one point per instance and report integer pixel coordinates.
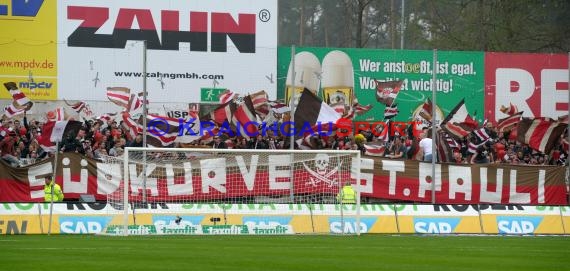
(366, 252)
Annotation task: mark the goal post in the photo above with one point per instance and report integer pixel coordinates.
(235, 191)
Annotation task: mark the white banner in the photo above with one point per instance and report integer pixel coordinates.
(191, 45)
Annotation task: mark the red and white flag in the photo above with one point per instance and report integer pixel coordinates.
(540, 134)
(426, 110)
(244, 117)
(56, 131)
(11, 111)
(455, 123)
(260, 102)
(374, 150)
(119, 96)
(508, 123)
(509, 110)
(227, 96)
(386, 92)
(391, 111)
(57, 114)
(80, 107)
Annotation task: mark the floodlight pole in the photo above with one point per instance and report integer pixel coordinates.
(402, 24)
(292, 103)
(433, 126)
(144, 121)
(52, 184)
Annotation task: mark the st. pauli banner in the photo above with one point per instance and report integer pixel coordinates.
(350, 74)
(217, 178)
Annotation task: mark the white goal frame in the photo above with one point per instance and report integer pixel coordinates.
(355, 169)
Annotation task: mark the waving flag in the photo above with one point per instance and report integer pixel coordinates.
(510, 110)
(19, 98)
(12, 110)
(55, 131)
(312, 110)
(508, 123)
(80, 107)
(391, 111)
(426, 110)
(260, 103)
(540, 134)
(119, 96)
(57, 114)
(454, 123)
(227, 96)
(386, 92)
(244, 117)
(122, 97)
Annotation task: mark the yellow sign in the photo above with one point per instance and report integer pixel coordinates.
(28, 48)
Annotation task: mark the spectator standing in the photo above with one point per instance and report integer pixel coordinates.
(426, 146)
(52, 191)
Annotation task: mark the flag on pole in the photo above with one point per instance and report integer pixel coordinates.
(391, 111)
(454, 123)
(386, 92)
(312, 110)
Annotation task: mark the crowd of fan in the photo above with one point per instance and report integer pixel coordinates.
(19, 144)
(499, 148)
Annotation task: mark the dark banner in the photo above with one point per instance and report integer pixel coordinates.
(248, 175)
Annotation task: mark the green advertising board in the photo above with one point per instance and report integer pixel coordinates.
(460, 75)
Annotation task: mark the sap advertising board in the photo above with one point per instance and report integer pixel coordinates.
(191, 45)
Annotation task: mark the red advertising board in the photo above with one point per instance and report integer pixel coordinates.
(536, 83)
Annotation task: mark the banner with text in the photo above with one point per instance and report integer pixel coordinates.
(229, 178)
(459, 76)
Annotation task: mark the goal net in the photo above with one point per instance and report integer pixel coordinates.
(213, 191)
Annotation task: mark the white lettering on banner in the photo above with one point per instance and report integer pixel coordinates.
(433, 227)
(175, 189)
(137, 180)
(551, 97)
(393, 167)
(514, 196)
(518, 227)
(505, 79)
(486, 195)
(108, 177)
(366, 65)
(460, 181)
(541, 181)
(213, 172)
(367, 177)
(81, 227)
(279, 161)
(425, 179)
(248, 175)
(33, 173)
(73, 186)
(349, 227)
